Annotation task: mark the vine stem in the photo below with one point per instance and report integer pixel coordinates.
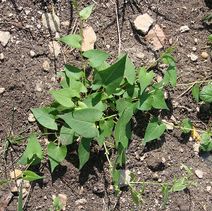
(107, 156)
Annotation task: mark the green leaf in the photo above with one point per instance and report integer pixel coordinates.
(167, 58)
(206, 142)
(96, 57)
(76, 87)
(145, 79)
(95, 101)
(122, 104)
(106, 129)
(210, 38)
(145, 103)
(83, 121)
(66, 135)
(86, 12)
(33, 153)
(154, 130)
(112, 77)
(130, 72)
(196, 92)
(56, 154)
(165, 192)
(186, 126)
(44, 118)
(158, 101)
(206, 93)
(30, 176)
(73, 72)
(84, 151)
(179, 185)
(121, 133)
(121, 155)
(72, 40)
(63, 96)
(170, 76)
(136, 196)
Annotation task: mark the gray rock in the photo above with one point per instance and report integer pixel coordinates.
(184, 29)
(2, 90)
(4, 37)
(1, 56)
(143, 23)
(80, 201)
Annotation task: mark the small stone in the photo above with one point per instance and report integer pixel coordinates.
(208, 188)
(193, 57)
(194, 49)
(195, 40)
(107, 46)
(31, 118)
(159, 78)
(2, 90)
(80, 201)
(204, 55)
(143, 23)
(46, 66)
(155, 163)
(54, 48)
(156, 37)
(4, 37)
(45, 198)
(63, 199)
(32, 53)
(155, 176)
(14, 190)
(38, 87)
(15, 174)
(196, 147)
(1, 56)
(181, 150)
(184, 29)
(199, 173)
(65, 23)
(27, 12)
(51, 21)
(140, 55)
(89, 38)
(26, 184)
(98, 188)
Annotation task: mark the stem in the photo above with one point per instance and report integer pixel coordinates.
(107, 156)
(111, 116)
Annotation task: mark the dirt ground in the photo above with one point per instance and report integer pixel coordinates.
(27, 84)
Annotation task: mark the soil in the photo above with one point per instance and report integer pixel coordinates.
(21, 73)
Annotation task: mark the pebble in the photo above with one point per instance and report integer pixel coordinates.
(80, 201)
(15, 174)
(195, 40)
(204, 55)
(45, 197)
(14, 190)
(143, 23)
(51, 21)
(199, 173)
(140, 55)
(194, 49)
(46, 66)
(4, 37)
(63, 199)
(208, 188)
(196, 146)
(54, 48)
(193, 57)
(184, 29)
(65, 23)
(38, 87)
(2, 90)
(1, 56)
(31, 118)
(156, 37)
(169, 125)
(32, 53)
(89, 38)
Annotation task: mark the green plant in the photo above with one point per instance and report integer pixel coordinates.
(138, 187)
(96, 103)
(57, 205)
